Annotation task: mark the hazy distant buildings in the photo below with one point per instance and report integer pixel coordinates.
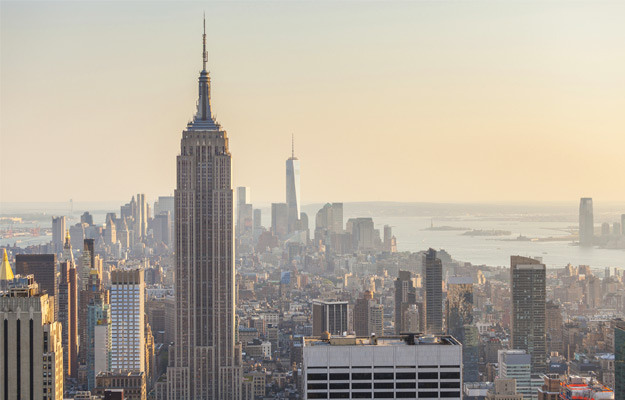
(58, 233)
(586, 222)
(363, 233)
(205, 361)
(527, 330)
(293, 201)
(31, 356)
(329, 316)
(245, 212)
(433, 274)
(279, 220)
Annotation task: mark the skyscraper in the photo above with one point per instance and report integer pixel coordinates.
(207, 361)
(293, 203)
(586, 222)
(279, 219)
(58, 233)
(31, 354)
(433, 273)
(405, 295)
(43, 267)
(330, 316)
(619, 359)
(68, 317)
(459, 318)
(527, 277)
(127, 320)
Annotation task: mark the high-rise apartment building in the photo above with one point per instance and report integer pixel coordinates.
(99, 341)
(553, 328)
(586, 222)
(293, 200)
(527, 330)
(206, 362)
(433, 274)
(127, 300)
(58, 233)
(405, 296)
(31, 350)
(44, 269)
(330, 316)
(407, 367)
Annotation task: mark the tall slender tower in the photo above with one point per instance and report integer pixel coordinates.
(292, 189)
(433, 293)
(586, 222)
(527, 278)
(207, 361)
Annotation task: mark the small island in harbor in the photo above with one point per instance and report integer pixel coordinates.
(445, 228)
(486, 232)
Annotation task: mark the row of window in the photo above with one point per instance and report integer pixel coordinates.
(384, 395)
(385, 385)
(382, 375)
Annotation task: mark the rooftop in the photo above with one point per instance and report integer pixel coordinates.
(401, 340)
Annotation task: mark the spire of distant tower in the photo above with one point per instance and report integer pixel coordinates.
(292, 145)
(6, 273)
(204, 53)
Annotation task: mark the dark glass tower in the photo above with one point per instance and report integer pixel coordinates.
(527, 277)
(433, 293)
(206, 363)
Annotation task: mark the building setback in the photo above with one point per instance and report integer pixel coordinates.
(206, 362)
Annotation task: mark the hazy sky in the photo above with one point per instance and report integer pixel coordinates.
(410, 101)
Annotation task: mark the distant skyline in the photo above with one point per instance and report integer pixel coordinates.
(410, 102)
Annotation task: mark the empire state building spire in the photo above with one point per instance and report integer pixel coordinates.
(203, 119)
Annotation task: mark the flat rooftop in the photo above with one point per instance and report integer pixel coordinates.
(401, 340)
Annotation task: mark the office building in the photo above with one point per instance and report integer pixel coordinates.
(330, 316)
(293, 200)
(279, 220)
(550, 389)
(516, 364)
(553, 328)
(407, 367)
(619, 359)
(586, 222)
(405, 296)
(44, 269)
(433, 275)
(98, 342)
(206, 361)
(68, 317)
(368, 316)
(363, 233)
(31, 350)
(132, 383)
(127, 299)
(504, 389)
(527, 330)
(58, 233)
(244, 210)
(459, 319)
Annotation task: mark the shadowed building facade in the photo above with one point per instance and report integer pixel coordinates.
(527, 277)
(206, 363)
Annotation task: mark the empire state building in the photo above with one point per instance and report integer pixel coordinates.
(206, 363)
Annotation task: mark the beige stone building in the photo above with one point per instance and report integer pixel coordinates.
(31, 350)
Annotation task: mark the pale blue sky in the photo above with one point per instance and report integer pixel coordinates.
(406, 101)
